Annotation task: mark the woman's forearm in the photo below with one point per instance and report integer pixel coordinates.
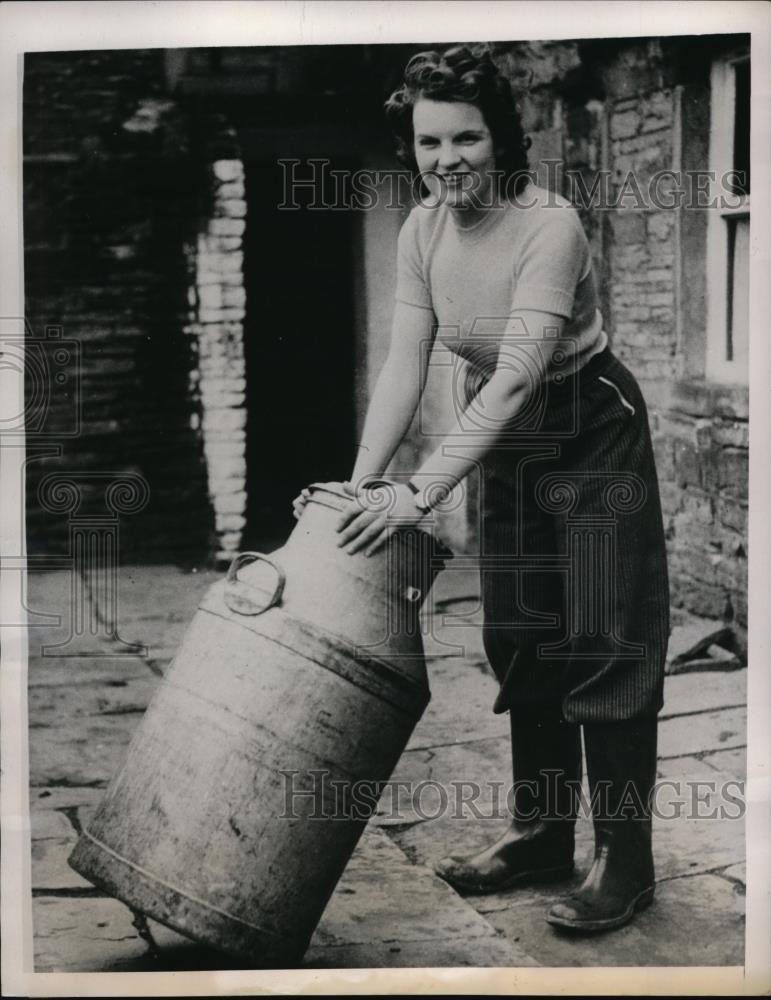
(520, 371)
(389, 416)
(460, 451)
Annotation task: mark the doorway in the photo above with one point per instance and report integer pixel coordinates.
(299, 352)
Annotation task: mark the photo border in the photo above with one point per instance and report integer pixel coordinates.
(59, 26)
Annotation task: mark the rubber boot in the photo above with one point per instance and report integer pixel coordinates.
(539, 844)
(621, 765)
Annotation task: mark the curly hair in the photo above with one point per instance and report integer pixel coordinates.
(458, 74)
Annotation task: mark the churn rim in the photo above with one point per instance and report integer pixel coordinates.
(442, 549)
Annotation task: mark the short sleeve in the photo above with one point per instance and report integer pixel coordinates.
(553, 260)
(411, 285)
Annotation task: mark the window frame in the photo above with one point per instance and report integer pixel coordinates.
(721, 154)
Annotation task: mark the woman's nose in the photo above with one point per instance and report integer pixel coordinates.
(448, 157)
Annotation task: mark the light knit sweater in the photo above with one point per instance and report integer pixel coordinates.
(531, 254)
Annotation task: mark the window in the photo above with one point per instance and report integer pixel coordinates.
(728, 229)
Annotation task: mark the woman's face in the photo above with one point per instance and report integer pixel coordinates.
(455, 153)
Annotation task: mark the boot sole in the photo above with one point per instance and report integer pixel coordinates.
(641, 902)
(539, 875)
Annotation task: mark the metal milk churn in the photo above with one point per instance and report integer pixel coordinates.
(252, 774)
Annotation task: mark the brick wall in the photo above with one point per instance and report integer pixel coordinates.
(109, 197)
(134, 214)
(217, 311)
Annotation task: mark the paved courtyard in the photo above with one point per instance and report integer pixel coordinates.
(389, 909)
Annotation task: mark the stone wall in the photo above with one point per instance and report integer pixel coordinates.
(657, 104)
(702, 452)
(642, 253)
(632, 109)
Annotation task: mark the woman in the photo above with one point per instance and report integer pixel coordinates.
(573, 565)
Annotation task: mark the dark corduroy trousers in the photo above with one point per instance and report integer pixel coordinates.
(574, 571)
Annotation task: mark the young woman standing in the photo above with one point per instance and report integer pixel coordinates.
(501, 271)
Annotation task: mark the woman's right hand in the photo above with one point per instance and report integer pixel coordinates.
(299, 502)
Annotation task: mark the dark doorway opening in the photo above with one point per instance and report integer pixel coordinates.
(299, 351)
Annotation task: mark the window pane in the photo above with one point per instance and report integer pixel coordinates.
(742, 128)
(738, 290)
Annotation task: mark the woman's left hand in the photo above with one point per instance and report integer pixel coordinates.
(374, 515)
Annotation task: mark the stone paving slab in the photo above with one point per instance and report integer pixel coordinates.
(63, 672)
(86, 754)
(725, 729)
(48, 824)
(684, 768)
(159, 623)
(730, 762)
(477, 952)
(685, 694)
(694, 847)
(456, 585)
(84, 935)
(50, 871)
(62, 797)
(700, 827)
(176, 591)
(693, 921)
(462, 697)
(49, 704)
(385, 911)
(437, 779)
(736, 873)
(51, 598)
(53, 838)
(56, 816)
(403, 904)
(715, 768)
(454, 631)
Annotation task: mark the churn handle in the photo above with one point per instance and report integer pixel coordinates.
(236, 597)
